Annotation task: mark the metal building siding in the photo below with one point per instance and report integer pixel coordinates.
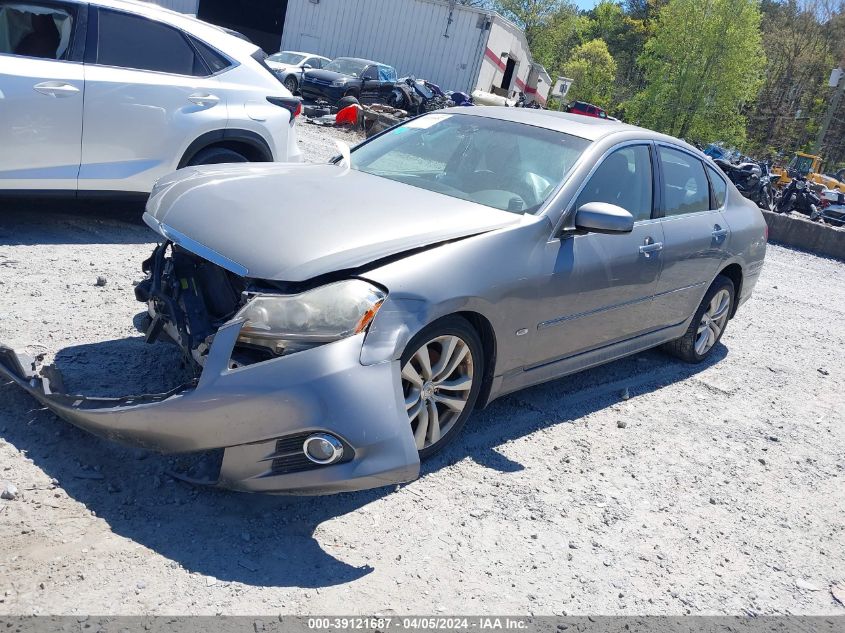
(182, 6)
(407, 34)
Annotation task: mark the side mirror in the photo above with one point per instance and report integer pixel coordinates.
(601, 217)
(306, 67)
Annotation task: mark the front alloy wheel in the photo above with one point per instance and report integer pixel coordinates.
(440, 382)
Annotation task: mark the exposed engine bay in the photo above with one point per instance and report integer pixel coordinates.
(188, 299)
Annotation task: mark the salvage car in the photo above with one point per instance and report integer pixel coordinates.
(367, 81)
(290, 66)
(347, 329)
(108, 96)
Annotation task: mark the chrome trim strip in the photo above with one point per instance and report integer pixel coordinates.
(195, 247)
(572, 317)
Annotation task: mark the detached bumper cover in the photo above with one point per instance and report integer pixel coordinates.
(246, 411)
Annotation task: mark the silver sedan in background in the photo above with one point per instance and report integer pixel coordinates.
(346, 319)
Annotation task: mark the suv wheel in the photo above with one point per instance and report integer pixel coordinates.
(216, 155)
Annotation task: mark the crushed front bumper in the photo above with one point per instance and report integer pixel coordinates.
(256, 414)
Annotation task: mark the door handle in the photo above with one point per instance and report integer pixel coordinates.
(204, 99)
(719, 232)
(56, 89)
(650, 247)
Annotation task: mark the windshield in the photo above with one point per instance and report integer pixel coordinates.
(291, 59)
(346, 66)
(501, 164)
(801, 164)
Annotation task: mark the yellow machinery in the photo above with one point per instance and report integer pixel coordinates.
(810, 166)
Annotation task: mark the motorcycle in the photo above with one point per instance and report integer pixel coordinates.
(753, 180)
(417, 96)
(799, 196)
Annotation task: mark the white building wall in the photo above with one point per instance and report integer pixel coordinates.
(406, 34)
(182, 6)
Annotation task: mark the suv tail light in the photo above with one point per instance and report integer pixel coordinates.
(291, 104)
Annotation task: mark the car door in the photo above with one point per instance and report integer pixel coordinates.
(148, 95)
(370, 85)
(41, 94)
(597, 289)
(695, 232)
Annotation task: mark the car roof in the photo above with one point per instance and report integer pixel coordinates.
(302, 53)
(208, 33)
(368, 62)
(589, 128)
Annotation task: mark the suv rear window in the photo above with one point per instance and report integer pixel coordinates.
(131, 41)
(214, 60)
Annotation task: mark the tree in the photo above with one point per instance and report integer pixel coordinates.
(593, 71)
(801, 41)
(532, 15)
(702, 68)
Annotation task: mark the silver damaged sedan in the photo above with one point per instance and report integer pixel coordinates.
(345, 319)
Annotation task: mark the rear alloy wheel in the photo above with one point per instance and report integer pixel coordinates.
(441, 378)
(708, 324)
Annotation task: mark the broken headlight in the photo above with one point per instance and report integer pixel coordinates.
(295, 322)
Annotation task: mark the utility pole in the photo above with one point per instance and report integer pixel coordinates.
(837, 76)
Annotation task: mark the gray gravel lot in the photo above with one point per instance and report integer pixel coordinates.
(713, 489)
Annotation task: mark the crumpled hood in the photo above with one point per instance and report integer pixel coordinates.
(293, 222)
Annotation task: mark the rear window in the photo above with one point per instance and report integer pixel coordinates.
(131, 41)
(718, 187)
(214, 60)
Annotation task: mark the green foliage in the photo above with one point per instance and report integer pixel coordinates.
(593, 72)
(702, 67)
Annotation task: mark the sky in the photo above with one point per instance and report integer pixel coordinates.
(585, 4)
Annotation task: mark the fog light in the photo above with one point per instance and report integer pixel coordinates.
(322, 448)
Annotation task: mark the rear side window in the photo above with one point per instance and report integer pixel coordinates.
(30, 29)
(685, 186)
(718, 188)
(131, 41)
(214, 60)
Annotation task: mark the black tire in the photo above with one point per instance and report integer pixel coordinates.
(291, 84)
(348, 100)
(458, 327)
(684, 347)
(217, 155)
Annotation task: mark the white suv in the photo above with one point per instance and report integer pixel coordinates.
(107, 96)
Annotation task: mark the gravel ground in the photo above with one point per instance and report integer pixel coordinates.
(715, 489)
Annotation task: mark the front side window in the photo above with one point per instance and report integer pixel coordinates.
(314, 62)
(501, 164)
(719, 188)
(685, 186)
(131, 41)
(624, 179)
(33, 30)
